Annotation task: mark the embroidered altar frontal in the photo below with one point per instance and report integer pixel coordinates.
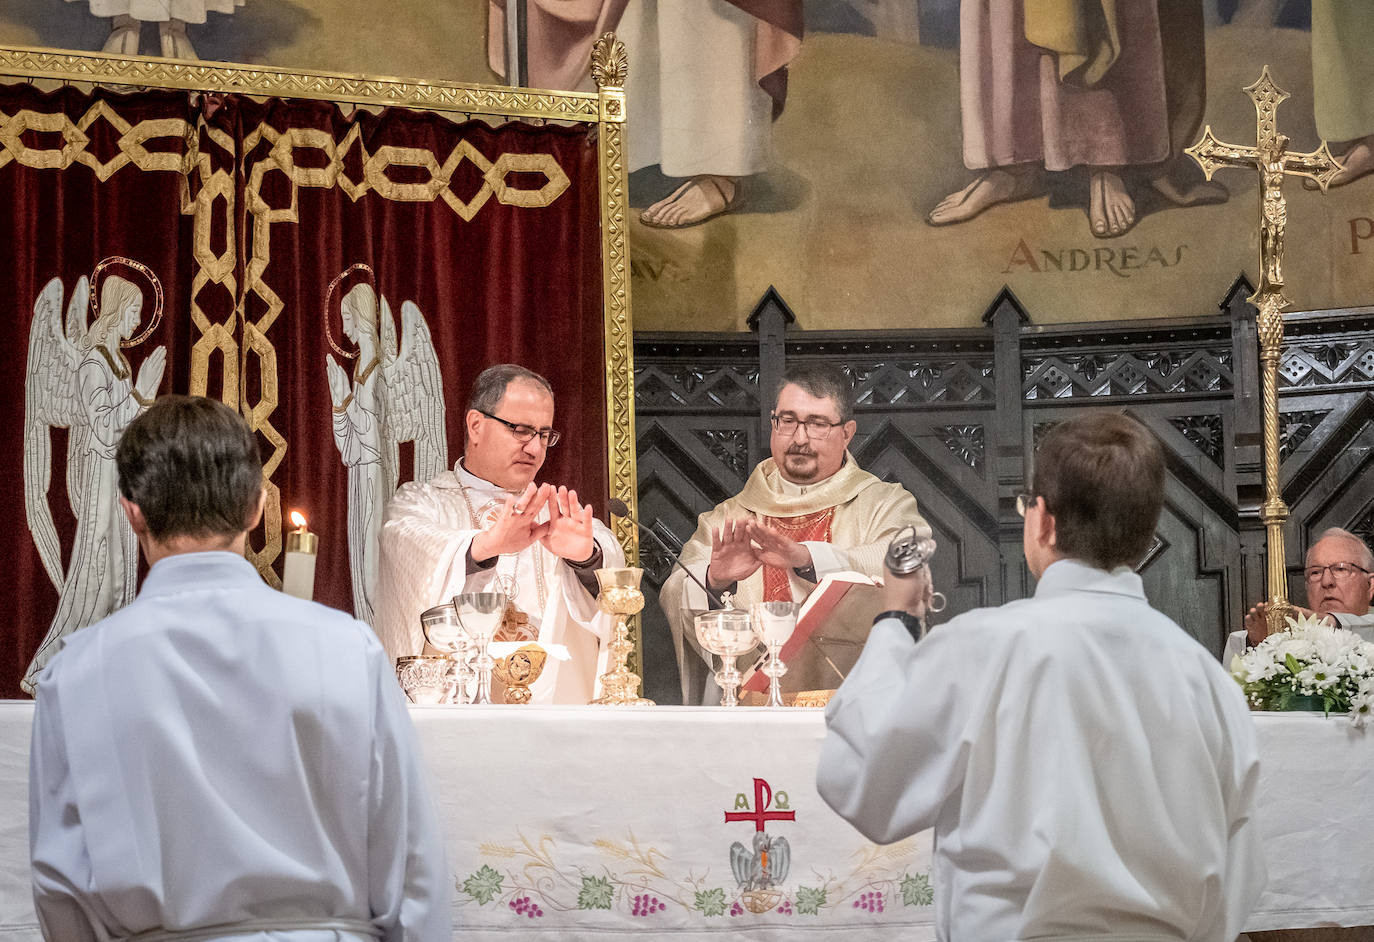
(340, 275)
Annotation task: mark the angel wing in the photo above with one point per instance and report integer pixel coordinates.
(414, 389)
(50, 400)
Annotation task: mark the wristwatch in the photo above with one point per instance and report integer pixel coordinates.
(908, 620)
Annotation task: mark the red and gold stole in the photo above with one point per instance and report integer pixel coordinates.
(812, 527)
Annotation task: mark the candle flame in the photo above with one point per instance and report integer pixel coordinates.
(298, 519)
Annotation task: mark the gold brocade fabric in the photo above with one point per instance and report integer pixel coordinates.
(767, 494)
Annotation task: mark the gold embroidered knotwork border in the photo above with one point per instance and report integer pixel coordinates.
(283, 149)
(606, 108)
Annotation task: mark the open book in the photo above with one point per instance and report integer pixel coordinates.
(848, 595)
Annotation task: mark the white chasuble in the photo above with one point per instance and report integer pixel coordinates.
(424, 562)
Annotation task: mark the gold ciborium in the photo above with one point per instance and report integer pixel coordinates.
(620, 598)
(518, 670)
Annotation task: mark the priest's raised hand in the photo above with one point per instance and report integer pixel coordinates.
(569, 529)
(733, 556)
(515, 528)
(776, 548)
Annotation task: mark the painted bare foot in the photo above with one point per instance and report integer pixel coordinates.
(1357, 162)
(1111, 209)
(175, 43)
(123, 38)
(697, 200)
(1192, 193)
(987, 190)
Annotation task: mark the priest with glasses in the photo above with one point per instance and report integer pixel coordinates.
(486, 526)
(1339, 572)
(806, 512)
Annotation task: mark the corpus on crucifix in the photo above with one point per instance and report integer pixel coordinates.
(1271, 157)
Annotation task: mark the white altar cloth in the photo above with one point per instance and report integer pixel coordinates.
(577, 823)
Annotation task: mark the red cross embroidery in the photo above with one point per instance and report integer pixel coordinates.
(763, 797)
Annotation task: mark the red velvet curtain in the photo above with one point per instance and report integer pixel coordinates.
(483, 241)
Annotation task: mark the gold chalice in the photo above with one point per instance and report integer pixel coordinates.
(620, 597)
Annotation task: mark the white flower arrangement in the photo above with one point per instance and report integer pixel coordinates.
(1310, 659)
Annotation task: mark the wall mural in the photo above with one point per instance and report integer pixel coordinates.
(916, 156)
(894, 163)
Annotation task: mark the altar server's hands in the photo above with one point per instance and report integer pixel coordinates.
(515, 528)
(569, 534)
(913, 593)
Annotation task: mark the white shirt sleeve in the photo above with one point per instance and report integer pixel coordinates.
(895, 750)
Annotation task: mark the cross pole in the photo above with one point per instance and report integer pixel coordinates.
(1270, 156)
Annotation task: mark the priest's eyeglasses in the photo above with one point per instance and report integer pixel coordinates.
(816, 427)
(1341, 572)
(525, 433)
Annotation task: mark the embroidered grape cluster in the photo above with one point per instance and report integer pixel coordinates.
(785, 907)
(737, 909)
(524, 906)
(870, 902)
(646, 905)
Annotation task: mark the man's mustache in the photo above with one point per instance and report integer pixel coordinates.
(802, 451)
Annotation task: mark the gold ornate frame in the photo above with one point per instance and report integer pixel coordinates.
(605, 108)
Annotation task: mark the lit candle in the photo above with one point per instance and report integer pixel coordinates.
(298, 574)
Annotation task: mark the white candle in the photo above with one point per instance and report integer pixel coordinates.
(298, 573)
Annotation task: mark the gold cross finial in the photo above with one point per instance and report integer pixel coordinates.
(1271, 157)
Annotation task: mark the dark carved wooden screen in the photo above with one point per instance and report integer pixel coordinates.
(953, 416)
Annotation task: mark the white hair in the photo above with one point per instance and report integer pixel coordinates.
(1366, 556)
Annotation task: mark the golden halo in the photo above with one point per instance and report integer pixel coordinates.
(329, 304)
(153, 281)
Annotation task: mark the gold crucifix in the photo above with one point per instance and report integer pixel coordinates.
(1271, 157)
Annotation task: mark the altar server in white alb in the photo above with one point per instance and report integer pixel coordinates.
(217, 760)
(1088, 768)
(486, 526)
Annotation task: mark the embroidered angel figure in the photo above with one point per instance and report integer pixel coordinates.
(80, 379)
(394, 396)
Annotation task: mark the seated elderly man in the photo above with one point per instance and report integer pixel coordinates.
(486, 526)
(1340, 585)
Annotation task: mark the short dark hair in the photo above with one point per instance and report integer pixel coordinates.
(1102, 477)
(192, 466)
(822, 381)
(490, 386)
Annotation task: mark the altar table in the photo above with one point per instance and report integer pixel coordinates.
(578, 823)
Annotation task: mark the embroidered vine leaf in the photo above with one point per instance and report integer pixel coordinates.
(711, 902)
(916, 890)
(596, 893)
(483, 885)
(809, 901)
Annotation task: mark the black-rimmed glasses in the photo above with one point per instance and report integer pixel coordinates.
(1341, 572)
(526, 433)
(816, 427)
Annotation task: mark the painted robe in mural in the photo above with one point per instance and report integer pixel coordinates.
(706, 76)
(1066, 83)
